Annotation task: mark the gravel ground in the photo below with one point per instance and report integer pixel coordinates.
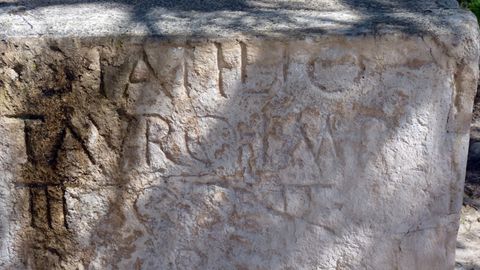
(468, 240)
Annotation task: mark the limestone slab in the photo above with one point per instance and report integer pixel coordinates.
(235, 146)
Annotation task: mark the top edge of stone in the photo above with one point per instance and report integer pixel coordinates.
(222, 19)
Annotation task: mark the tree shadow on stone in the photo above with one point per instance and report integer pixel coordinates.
(253, 16)
(248, 180)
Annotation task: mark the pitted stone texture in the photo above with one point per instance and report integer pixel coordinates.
(226, 18)
(327, 152)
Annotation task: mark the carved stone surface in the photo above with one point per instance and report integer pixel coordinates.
(320, 152)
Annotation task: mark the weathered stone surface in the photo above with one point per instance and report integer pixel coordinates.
(334, 150)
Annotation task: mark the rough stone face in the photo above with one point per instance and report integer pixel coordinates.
(320, 151)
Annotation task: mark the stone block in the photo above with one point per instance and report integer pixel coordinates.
(283, 135)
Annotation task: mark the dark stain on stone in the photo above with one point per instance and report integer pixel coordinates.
(18, 68)
(55, 48)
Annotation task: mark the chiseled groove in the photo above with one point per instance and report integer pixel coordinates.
(48, 206)
(32, 209)
(186, 83)
(243, 48)
(102, 89)
(286, 63)
(220, 67)
(65, 209)
(76, 134)
(147, 137)
(27, 116)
